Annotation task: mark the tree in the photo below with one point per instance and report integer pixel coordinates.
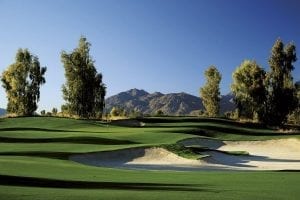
(22, 81)
(83, 91)
(210, 92)
(159, 113)
(54, 111)
(294, 117)
(115, 112)
(281, 98)
(43, 112)
(249, 90)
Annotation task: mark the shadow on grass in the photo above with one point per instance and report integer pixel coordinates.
(75, 140)
(8, 180)
(42, 154)
(203, 120)
(215, 130)
(221, 121)
(45, 130)
(35, 129)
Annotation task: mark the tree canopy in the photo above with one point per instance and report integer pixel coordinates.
(210, 92)
(271, 96)
(22, 81)
(249, 90)
(282, 96)
(83, 90)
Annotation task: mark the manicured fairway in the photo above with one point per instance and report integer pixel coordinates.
(34, 162)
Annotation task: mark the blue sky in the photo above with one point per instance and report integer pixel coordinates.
(156, 45)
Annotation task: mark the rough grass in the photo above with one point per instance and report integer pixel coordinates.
(34, 161)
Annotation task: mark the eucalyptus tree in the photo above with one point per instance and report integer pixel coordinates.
(210, 92)
(282, 96)
(22, 81)
(249, 90)
(83, 90)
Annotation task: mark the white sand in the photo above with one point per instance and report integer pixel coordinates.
(280, 154)
(137, 158)
(283, 154)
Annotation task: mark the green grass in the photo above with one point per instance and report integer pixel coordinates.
(34, 161)
(182, 151)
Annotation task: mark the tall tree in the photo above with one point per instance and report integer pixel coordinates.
(282, 97)
(22, 81)
(294, 117)
(210, 92)
(249, 90)
(83, 91)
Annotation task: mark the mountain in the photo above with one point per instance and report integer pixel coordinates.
(169, 104)
(2, 112)
(227, 103)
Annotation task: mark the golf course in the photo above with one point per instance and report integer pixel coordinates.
(149, 100)
(148, 158)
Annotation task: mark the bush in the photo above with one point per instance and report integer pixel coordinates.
(115, 112)
(54, 111)
(159, 113)
(43, 112)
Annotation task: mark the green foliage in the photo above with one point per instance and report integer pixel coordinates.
(115, 112)
(232, 114)
(182, 151)
(197, 113)
(249, 90)
(54, 111)
(22, 81)
(48, 114)
(159, 113)
(294, 117)
(135, 114)
(118, 112)
(282, 98)
(268, 97)
(43, 112)
(210, 93)
(83, 91)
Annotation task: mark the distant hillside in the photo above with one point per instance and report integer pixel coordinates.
(2, 111)
(227, 103)
(170, 104)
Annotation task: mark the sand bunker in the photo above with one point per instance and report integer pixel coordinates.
(283, 154)
(137, 158)
(280, 154)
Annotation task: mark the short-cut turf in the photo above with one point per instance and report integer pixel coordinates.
(34, 161)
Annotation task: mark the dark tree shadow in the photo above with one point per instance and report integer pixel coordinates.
(41, 154)
(74, 140)
(221, 121)
(34, 129)
(8, 180)
(214, 130)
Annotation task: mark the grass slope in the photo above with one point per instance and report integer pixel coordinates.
(34, 162)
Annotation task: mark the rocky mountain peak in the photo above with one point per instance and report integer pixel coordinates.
(170, 104)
